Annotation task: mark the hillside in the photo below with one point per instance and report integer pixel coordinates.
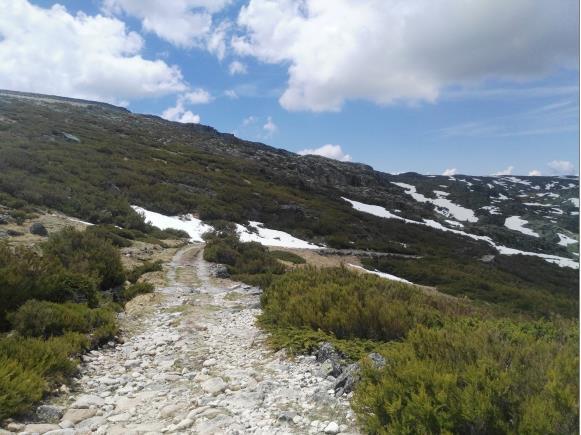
(94, 161)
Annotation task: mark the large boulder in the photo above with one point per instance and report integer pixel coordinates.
(38, 229)
(49, 413)
(221, 271)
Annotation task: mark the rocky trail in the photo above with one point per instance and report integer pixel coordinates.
(192, 361)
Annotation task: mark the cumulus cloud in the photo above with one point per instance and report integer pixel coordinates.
(184, 23)
(92, 57)
(507, 171)
(197, 96)
(561, 167)
(449, 172)
(270, 127)
(535, 173)
(387, 51)
(178, 113)
(237, 67)
(330, 151)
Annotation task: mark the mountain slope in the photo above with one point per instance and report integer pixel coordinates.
(93, 160)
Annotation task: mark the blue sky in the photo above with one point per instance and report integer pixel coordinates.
(490, 94)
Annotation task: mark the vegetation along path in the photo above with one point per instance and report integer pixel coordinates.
(193, 361)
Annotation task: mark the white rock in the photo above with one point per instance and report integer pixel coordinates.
(214, 385)
(332, 428)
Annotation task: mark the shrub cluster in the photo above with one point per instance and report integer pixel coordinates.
(350, 305)
(477, 377)
(250, 262)
(134, 274)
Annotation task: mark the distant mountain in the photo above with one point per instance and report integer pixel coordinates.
(93, 161)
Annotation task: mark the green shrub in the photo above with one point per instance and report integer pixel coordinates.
(249, 262)
(134, 274)
(30, 367)
(87, 253)
(476, 377)
(288, 256)
(18, 388)
(351, 305)
(48, 319)
(133, 290)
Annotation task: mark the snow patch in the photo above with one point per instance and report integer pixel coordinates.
(453, 210)
(380, 274)
(188, 223)
(575, 201)
(566, 240)
(382, 212)
(268, 237)
(516, 223)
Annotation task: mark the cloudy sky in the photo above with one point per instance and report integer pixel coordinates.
(453, 86)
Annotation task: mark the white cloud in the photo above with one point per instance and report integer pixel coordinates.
(231, 93)
(237, 67)
(184, 23)
(449, 172)
(248, 120)
(178, 113)
(387, 51)
(330, 151)
(197, 96)
(561, 167)
(270, 127)
(535, 173)
(92, 57)
(507, 171)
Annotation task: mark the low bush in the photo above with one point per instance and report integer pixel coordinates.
(30, 367)
(133, 290)
(87, 253)
(249, 262)
(351, 305)
(48, 319)
(134, 274)
(477, 377)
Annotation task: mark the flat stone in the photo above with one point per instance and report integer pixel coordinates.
(125, 403)
(76, 415)
(214, 386)
(92, 423)
(170, 410)
(209, 362)
(61, 432)
(87, 400)
(41, 428)
(119, 418)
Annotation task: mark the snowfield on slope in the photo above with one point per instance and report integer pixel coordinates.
(188, 223)
(453, 210)
(269, 237)
(516, 223)
(196, 229)
(382, 212)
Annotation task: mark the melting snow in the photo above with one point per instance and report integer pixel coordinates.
(382, 212)
(188, 223)
(380, 274)
(454, 210)
(575, 201)
(517, 224)
(270, 237)
(566, 240)
(536, 204)
(518, 181)
(491, 209)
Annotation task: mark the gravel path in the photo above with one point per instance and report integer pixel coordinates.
(193, 361)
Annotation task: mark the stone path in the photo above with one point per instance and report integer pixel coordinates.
(193, 361)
